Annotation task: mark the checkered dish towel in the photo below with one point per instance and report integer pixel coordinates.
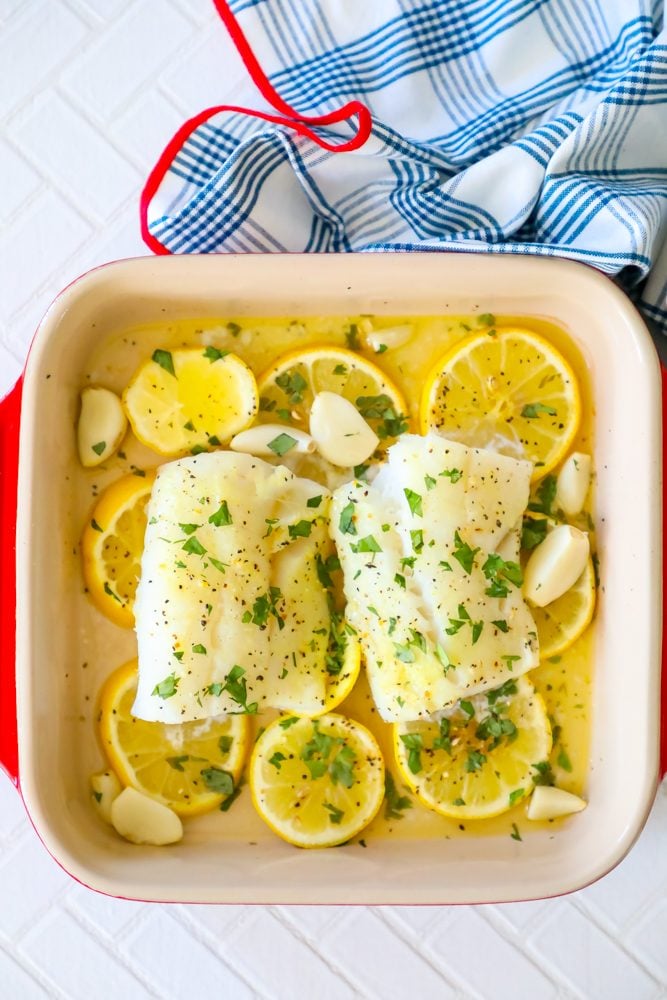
(498, 126)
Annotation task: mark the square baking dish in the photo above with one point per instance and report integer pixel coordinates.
(54, 637)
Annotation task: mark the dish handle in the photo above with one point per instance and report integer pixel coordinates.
(10, 414)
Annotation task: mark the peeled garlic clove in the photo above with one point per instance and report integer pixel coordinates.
(395, 336)
(548, 802)
(142, 820)
(272, 439)
(105, 788)
(340, 432)
(573, 482)
(555, 565)
(102, 425)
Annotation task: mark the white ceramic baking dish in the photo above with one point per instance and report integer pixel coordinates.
(54, 635)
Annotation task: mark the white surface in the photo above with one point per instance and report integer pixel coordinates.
(91, 91)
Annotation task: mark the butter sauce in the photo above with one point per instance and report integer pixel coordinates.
(565, 681)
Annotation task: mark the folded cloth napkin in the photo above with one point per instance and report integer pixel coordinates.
(499, 126)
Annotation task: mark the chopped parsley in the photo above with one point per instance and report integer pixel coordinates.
(394, 803)
(277, 759)
(417, 539)
(486, 319)
(430, 482)
(177, 762)
(544, 775)
(218, 564)
(533, 532)
(194, 547)
(291, 720)
(225, 744)
(532, 410)
(236, 687)
(340, 370)
(352, 341)
(414, 744)
(515, 835)
(400, 580)
(499, 572)
(464, 553)
(199, 648)
(314, 501)
(292, 383)
(443, 740)
(95, 526)
(335, 815)
(381, 408)
(164, 360)
(264, 606)
(414, 502)
(167, 688)
(367, 544)
(404, 653)
(546, 494)
(564, 761)
(501, 624)
(452, 474)
(346, 520)
(282, 444)
(188, 529)
(475, 761)
(218, 781)
(325, 567)
(517, 794)
(214, 354)
(301, 529)
(99, 447)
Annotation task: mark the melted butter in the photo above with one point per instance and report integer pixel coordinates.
(564, 681)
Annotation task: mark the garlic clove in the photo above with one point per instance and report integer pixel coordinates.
(273, 439)
(390, 337)
(548, 802)
(555, 565)
(102, 425)
(574, 480)
(340, 432)
(106, 788)
(142, 820)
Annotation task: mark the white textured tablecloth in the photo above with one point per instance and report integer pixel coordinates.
(90, 90)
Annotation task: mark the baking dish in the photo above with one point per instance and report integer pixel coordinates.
(55, 750)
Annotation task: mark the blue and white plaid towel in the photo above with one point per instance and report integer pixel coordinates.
(502, 126)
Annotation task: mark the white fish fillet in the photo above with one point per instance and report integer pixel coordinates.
(424, 619)
(216, 593)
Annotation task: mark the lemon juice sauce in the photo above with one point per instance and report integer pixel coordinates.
(414, 345)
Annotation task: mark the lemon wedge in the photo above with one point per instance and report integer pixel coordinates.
(478, 761)
(192, 767)
(316, 782)
(112, 544)
(508, 390)
(190, 400)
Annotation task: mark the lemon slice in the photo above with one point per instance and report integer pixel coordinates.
(192, 767)
(316, 782)
(190, 400)
(480, 765)
(111, 547)
(287, 389)
(508, 390)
